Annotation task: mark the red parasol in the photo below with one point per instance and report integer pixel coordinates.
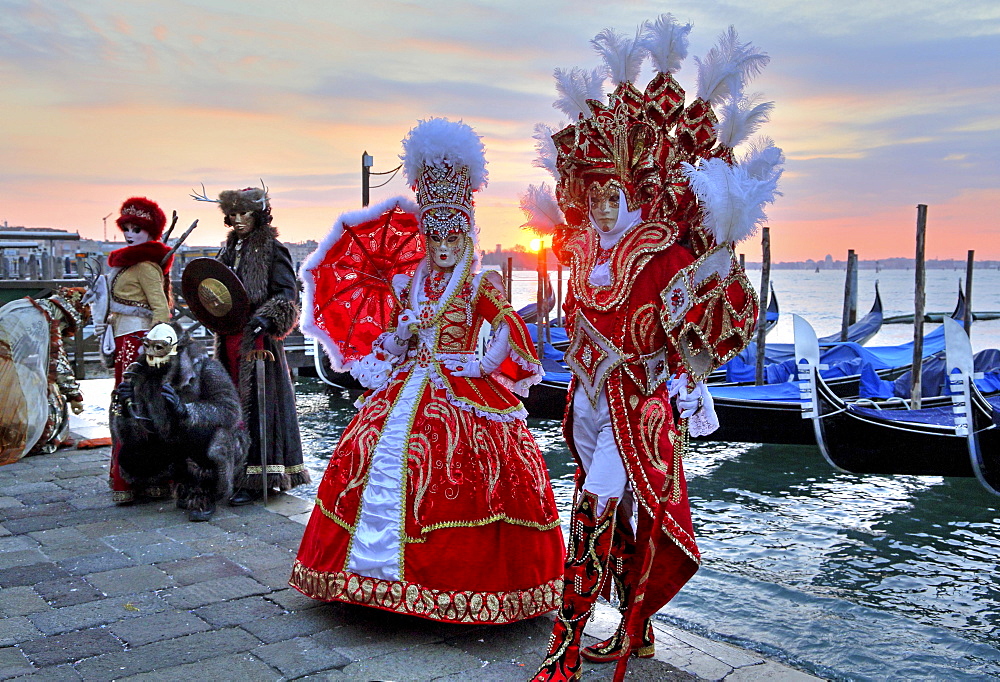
(349, 300)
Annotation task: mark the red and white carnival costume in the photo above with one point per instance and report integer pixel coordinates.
(655, 299)
(437, 492)
(136, 284)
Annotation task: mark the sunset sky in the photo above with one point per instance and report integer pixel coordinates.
(880, 106)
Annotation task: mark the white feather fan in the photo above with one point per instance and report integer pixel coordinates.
(732, 200)
(546, 149)
(541, 209)
(575, 86)
(440, 142)
(740, 117)
(622, 54)
(667, 42)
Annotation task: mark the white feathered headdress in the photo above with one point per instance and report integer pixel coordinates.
(732, 198)
(445, 162)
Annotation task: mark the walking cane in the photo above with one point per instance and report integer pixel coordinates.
(258, 357)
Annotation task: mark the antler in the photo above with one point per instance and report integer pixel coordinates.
(203, 196)
(263, 200)
(92, 269)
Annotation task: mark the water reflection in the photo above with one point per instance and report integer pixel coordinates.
(844, 575)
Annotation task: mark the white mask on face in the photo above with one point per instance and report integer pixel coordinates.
(626, 221)
(134, 235)
(160, 345)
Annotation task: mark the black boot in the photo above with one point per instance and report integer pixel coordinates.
(202, 513)
(243, 497)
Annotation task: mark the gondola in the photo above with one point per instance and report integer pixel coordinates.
(742, 368)
(959, 439)
(773, 413)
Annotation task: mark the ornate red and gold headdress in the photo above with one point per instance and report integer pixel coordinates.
(145, 213)
(444, 162)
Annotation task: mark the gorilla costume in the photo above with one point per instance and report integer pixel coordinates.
(177, 416)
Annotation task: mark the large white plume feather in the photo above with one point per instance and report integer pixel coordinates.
(575, 86)
(440, 142)
(546, 149)
(732, 198)
(666, 40)
(727, 67)
(541, 209)
(622, 54)
(740, 117)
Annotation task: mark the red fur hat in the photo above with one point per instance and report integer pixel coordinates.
(144, 213)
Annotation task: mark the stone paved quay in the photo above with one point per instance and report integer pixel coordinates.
(93, 591)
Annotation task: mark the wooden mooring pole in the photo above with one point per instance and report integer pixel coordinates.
(559, 320)
(968, 292)
(540, 300)
(510, 278)
(918, 310)
(850, 294)
(765, 287)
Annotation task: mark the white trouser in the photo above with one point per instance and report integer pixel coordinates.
(593, 435)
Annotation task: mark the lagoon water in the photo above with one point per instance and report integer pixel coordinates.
(848, 577)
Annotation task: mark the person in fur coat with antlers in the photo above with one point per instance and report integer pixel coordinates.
(264, 266)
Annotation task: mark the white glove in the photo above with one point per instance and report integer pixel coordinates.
(464, 368)
(403, 323)
(688, 402)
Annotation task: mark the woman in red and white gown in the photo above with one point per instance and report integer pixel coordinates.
(437, 502)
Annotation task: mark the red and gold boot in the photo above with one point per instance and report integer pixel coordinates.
(622, 560)
(586, 564)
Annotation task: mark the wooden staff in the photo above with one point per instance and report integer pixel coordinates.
(850, 295)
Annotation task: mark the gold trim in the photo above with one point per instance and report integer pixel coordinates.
(277, 469)
(453, 606)
(487, 521)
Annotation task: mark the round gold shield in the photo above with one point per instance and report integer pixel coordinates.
(214, 295)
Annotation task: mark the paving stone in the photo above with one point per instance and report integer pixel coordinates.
(239, 612)
(24, 557)
(171, 652)
(243, 667)
(17, 629)
(88, 469)
(134, 539)
(130, 580)
(163, 551)
(25, 511)
(274, 530)
(212, 591)
(25, 487)
(497, 643)
(768, 671)
(97, 501)
(18, 576)
(7, 502)
(70, 647)
(291, 599)
(730, 655)
(20, 601)
(95, 613)
(58, 673)
(31, 523)
(104, 528)
(377, 633)
(67, 592)
(301, 656)
(200, 569)
(81, 548)
(288, 626)
(13, 663)
(137, 632)
(275, 578)
(18, 543)
(419, 663)
(57, 537)
(58, 495)
(499, 672)
(94, 563)
(193, 531)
